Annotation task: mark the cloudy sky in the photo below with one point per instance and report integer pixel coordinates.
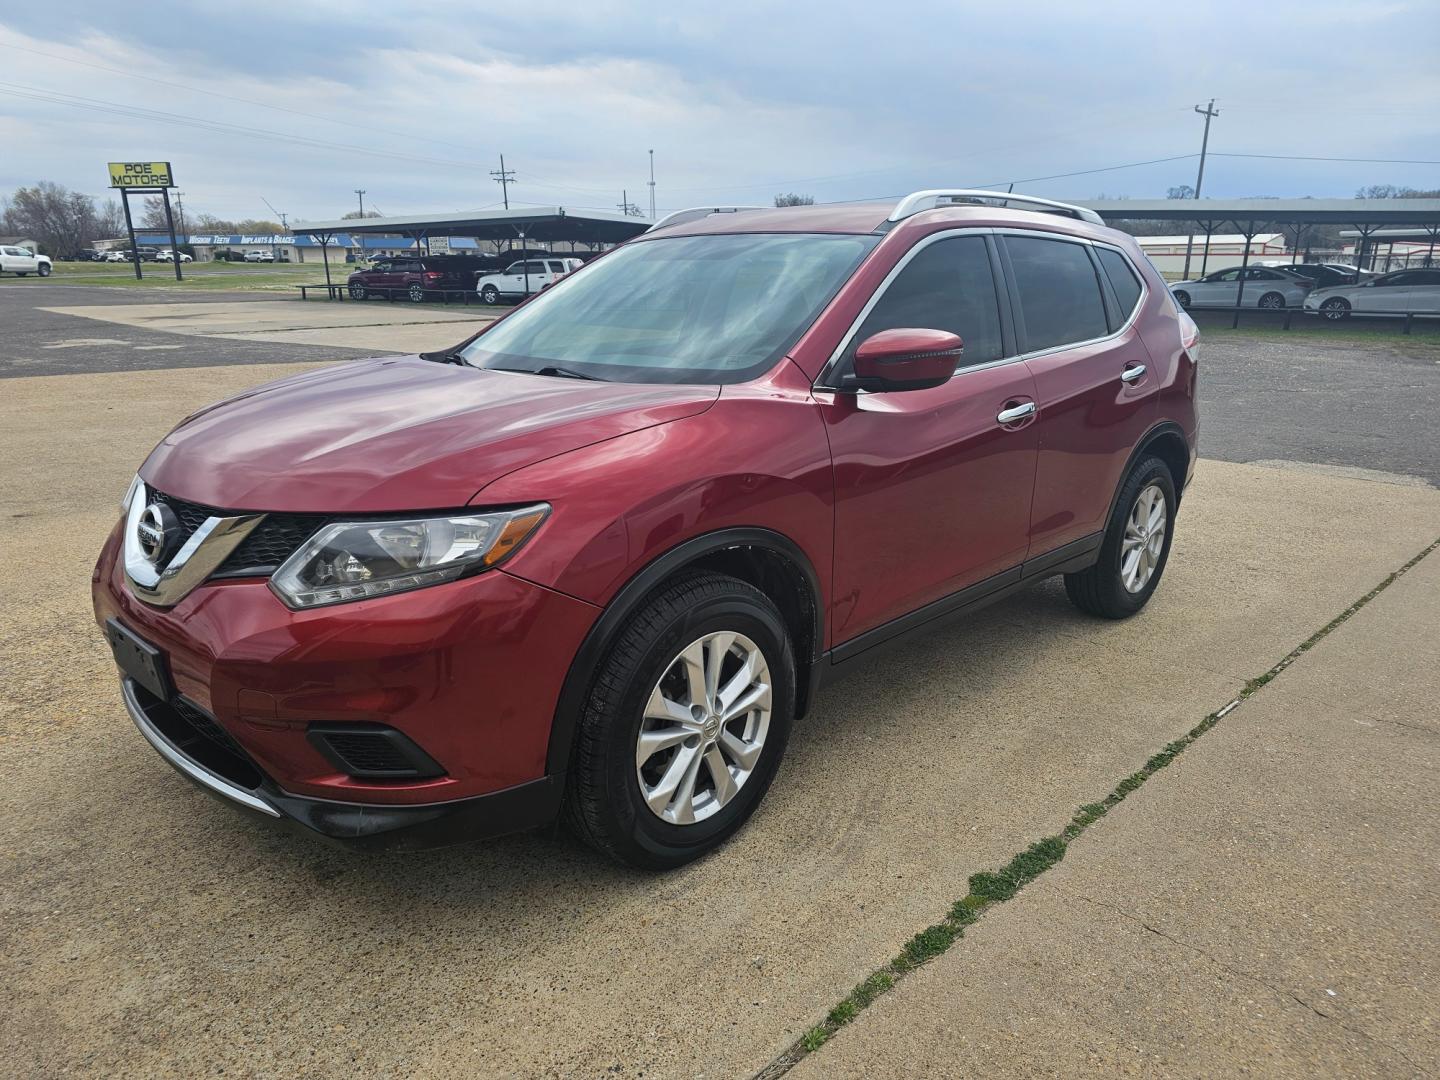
(301, 102)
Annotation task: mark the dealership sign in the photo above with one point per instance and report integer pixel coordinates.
(240, 241)
(140, 174)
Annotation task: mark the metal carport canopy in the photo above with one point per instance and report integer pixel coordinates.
(1288, 211)
(544, 223)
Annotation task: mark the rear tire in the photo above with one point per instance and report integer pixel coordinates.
(1183, 299)
(416, 292)
(1132, 557)
(1272, 301)
(617, 798)
(490, 295)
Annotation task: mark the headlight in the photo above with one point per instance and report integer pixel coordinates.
(129, 494)
(360, 559)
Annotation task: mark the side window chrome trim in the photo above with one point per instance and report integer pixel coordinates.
(822, 382)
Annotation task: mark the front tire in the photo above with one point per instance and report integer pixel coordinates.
(357, 292)
(43, 271)
(1135, 549)
(1335, 309)
(685, 724)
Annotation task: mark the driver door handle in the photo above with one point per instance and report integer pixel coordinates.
(1130, 374)
(1018, 412)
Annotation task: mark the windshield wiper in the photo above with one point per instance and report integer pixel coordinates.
(553, 371)
(444, 356)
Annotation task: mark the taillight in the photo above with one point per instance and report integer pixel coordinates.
(432, 275)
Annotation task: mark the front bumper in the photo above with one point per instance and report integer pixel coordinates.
(232, 778)
(469, 671)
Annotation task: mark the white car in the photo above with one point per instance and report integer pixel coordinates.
(1265, 287)
(22, 261)
(1394, 294)
(521, 279)
(259, 256)
(168, 256)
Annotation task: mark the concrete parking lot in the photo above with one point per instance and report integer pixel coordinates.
(1264, 904)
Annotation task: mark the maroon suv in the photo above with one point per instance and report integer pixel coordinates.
(595, 561)
(417, 277)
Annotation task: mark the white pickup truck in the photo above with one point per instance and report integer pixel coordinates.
(22, 261)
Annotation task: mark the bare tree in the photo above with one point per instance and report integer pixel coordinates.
(60, 220)
(152, 217)
(109, 221)
(1183, 191)
(791, 199)
(354, 214)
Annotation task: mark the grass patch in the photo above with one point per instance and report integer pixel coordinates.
(992, 887)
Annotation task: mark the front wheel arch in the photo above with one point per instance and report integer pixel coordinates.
(762, 557)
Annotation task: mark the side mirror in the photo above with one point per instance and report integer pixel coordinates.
(906, 358)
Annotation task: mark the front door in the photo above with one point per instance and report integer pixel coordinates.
(1097, 392)
(932, 488)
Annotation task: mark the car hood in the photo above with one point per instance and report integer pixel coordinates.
(395, 434)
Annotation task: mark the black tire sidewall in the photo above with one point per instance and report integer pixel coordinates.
(1183, 299)
(1150, 470)
(640, 836)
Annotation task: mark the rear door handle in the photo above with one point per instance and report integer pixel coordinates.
(1130, 374)
(1017, 412)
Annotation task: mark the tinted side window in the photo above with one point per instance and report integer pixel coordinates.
(948, 285)
(1122, 279)
(1058, 292)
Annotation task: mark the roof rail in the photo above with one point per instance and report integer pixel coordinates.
(928, 200)
(695, 213)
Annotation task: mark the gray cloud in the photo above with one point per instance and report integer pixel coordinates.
(842, 100)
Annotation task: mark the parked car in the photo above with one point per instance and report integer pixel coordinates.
(1320, 274)
(169, 256)
(524, 278)
(415, 277)
(1393, 294)
(260, 256)
(692, 482)
(1265, 287)
(22, 262)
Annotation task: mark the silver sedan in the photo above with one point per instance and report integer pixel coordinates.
(1394, 294)
(1265, 287)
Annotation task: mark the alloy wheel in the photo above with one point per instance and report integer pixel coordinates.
(1144, 538)
(704, 728)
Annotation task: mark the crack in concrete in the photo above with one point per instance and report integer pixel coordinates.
(1259, 979)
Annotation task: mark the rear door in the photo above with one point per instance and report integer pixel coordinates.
(932, 488)
(1389, 293)
(1076, 306)
(1425, 292)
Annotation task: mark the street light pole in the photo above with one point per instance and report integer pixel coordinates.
(652, 185)
(1209, 112)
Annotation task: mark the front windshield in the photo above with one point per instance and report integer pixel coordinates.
(712, 309)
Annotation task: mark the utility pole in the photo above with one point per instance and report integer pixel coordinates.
(652, 185)
(361, 193)
(626, 207)
(1209, 112)
(504, 177)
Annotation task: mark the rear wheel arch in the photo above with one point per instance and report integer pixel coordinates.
(766, 559)
(1167, 442)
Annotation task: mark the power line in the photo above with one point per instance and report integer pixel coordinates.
(1358, 160)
